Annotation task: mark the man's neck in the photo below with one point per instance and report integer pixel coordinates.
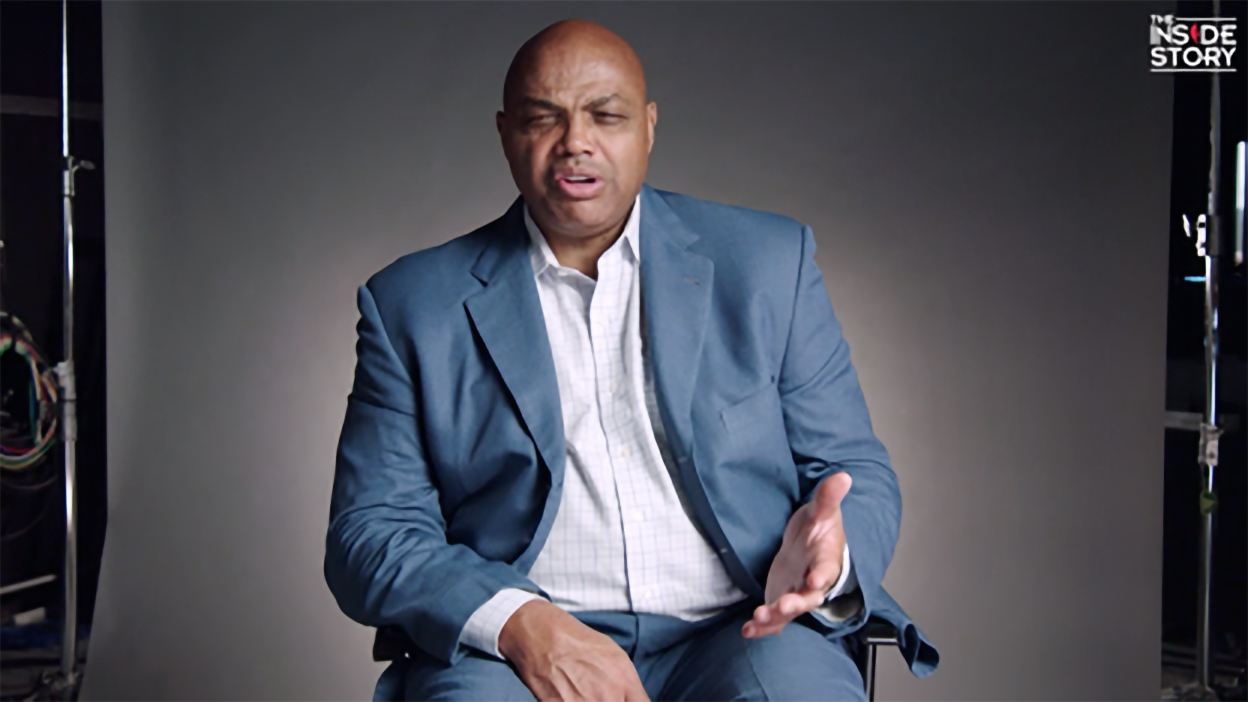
(582, 253)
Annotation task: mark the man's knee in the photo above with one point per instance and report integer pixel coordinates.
(800, 664)
(474, 677)
(796, 664)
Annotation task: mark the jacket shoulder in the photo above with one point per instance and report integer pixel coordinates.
(432, 277)
(699, 209)
(735, 232)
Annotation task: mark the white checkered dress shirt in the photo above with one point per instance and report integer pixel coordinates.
(621, 540)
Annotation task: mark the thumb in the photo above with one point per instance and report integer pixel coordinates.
(829, 494)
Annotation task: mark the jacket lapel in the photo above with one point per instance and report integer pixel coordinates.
(507, 314)
(676, 297)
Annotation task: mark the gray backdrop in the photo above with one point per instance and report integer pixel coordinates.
(989, 186)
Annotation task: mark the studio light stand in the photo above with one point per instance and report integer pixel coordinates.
(63, 683)
(1209, 235)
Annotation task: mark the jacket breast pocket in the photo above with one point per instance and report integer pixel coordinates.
(754, 411)
(756, 442)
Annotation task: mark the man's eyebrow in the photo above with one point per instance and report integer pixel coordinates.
(602, 101)
(527, 101)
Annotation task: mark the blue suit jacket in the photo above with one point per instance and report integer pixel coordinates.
(451, 461)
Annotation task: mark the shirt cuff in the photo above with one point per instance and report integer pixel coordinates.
(844, 600)
(847, 582)
(483, 627)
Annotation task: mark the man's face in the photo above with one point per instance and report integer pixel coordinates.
(578, 136)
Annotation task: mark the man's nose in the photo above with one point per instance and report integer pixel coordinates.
(576, 137)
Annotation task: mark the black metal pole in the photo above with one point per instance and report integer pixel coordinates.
(1209, 431)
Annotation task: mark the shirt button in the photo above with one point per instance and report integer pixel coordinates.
(637, 516)
(611, 387)
(624, 453)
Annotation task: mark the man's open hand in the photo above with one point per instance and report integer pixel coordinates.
(808, 563)
(559, 658)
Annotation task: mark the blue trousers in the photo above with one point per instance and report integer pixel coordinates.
(675, 659)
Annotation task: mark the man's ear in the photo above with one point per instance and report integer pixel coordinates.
(500, 122)
(652, 117)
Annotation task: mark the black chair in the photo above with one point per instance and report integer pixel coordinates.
(391, 643)
(875, 633)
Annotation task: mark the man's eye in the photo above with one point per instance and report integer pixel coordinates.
(539, 119)
(609, 118)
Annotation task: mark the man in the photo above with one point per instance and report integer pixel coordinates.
(611, 445)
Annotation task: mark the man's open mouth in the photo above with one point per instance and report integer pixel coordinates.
(579, 187)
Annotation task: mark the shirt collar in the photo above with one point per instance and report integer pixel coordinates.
(542, 257)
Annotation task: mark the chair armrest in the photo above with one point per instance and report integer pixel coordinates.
(879, 632)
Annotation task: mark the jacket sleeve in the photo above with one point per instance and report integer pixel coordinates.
(387, 560)
(829, 431)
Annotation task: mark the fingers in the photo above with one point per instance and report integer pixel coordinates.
(771, 619)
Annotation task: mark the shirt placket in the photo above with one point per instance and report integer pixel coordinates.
(599, 477)
(607, 326)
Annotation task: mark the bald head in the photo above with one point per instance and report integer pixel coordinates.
(576, 39)
(577, 131)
